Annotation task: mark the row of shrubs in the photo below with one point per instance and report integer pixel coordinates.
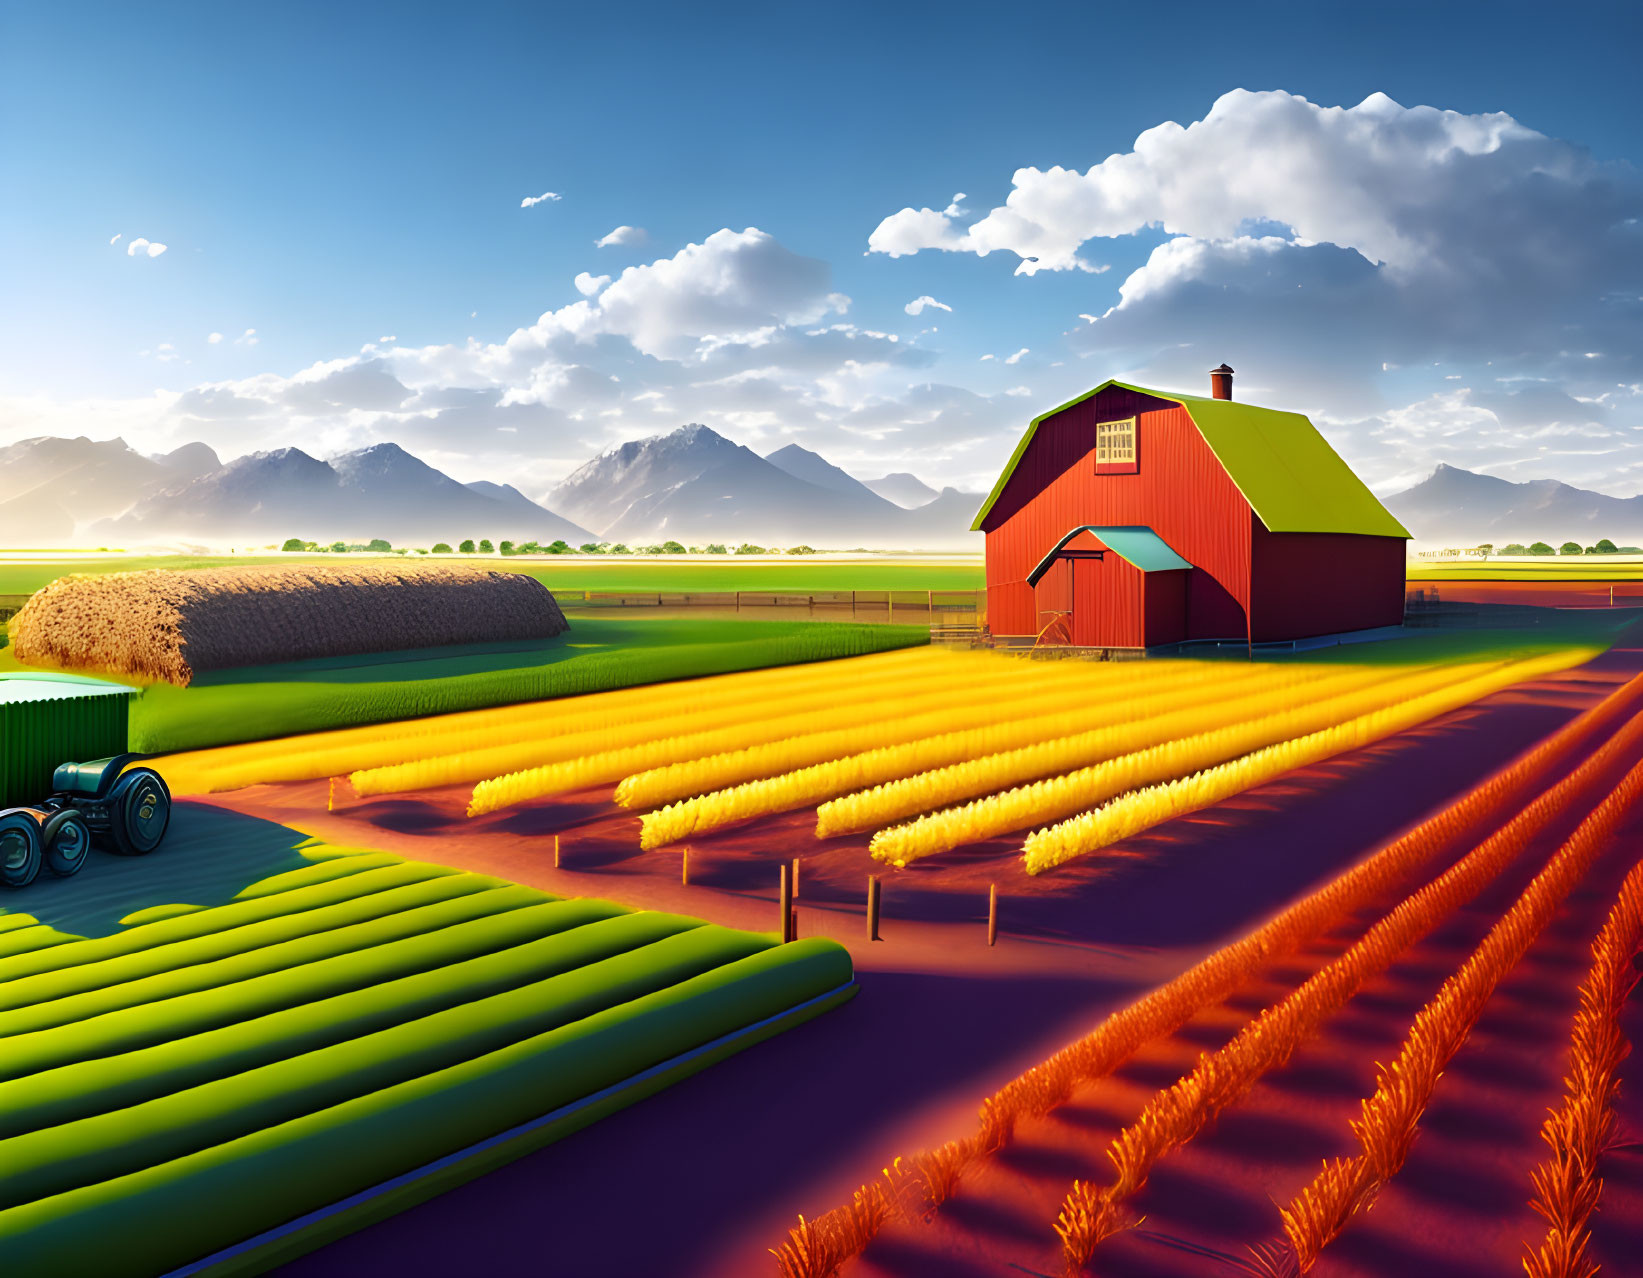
(1483, 551)
(484, 547)
(1603, 547)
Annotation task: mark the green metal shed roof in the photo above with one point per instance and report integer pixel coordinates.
(56, 687)
(1286, 470)
(1133, 543)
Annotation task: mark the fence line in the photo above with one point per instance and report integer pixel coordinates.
(942, 610)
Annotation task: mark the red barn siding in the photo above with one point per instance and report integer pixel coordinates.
(1051, 597)
(1180, 491)
(1323, 583)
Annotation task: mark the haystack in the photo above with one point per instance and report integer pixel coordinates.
(165, 625)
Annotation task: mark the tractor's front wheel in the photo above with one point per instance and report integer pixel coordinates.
(67, 841)
(139, 810)
(20, 848)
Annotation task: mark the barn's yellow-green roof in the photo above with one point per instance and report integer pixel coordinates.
(1286, 470)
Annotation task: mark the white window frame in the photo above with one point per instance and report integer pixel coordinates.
(1115, 442)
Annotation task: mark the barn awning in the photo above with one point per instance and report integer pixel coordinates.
(1286, 470)
(1135, 544)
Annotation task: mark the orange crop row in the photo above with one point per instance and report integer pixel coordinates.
(1390, 1118)
(1176, 1114)
(1567, 1186)
(816, 1248)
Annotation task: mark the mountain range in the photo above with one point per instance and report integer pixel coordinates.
(691, 485)
(695, 484)
(1460, 507)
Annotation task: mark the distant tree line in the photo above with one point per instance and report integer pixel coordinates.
(379, 546)
(1603, 547)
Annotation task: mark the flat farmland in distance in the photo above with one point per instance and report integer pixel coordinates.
(1562, 568)
(614, 574)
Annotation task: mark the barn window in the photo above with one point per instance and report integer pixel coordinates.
(1115, 443)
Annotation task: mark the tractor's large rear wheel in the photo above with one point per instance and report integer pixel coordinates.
(20, 848)
(139, 809)
(67, 841)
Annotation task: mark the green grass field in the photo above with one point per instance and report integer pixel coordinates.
(698, 573)
(1571, 568)
(598, 653)
(187, 1082)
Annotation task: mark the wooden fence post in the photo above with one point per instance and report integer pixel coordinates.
(992, 914)
(795, 878)
(787, 906)
(556, 851)
(684, 867)
(872, 907)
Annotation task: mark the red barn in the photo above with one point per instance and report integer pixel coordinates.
(1129, 518)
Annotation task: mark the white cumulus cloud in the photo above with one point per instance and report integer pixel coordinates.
(531, 201)
(620, 236)
(919, 304)
(214, 338)
(146, 248)
(115, 239)
(247, 338)
(587, 285)
(1016, 358)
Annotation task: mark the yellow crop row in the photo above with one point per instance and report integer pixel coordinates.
(1064, 796)
(535, 769)
(736, 712)
(852, 715)
(966, 731)
(984, 771)
(341, 750)
(1144, 808)
(920, 753)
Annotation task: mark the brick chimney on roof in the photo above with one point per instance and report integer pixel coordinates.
(1220, 382)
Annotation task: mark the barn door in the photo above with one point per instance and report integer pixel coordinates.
(1107, 611)
(1053, 601)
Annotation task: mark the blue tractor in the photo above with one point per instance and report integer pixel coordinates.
(122, 809)
(45, 718)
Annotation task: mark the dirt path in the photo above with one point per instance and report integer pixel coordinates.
(700, 1180)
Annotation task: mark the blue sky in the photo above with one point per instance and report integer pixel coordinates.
(345, 182)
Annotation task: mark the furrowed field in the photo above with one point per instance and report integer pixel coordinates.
(205, 1074)
(1073, 785)
(1354, 929)
(928, 750)
(1172, 964)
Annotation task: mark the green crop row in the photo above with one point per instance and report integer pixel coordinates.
(24, 934)
(332, 868)
(196, 1046)
(286, 909)
(194, 999)
(72, 1155)
(147, 1220)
